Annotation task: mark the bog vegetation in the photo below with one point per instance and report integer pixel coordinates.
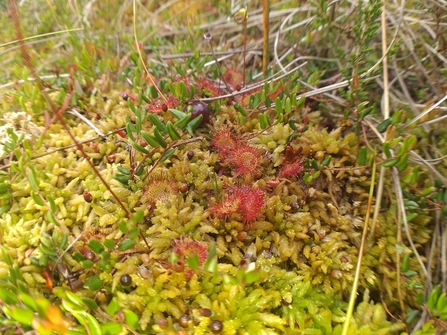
(223, 167)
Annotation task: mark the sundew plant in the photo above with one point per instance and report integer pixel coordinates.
(224, 167)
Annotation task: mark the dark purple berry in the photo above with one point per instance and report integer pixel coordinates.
(126, 280)
(216, 327)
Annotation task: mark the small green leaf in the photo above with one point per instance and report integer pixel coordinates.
(123, 170)
(160, 138)
(193, 124)
(409, 142)
(193, 261)
(381, 128)
(391, 162)
(150, 139)
(240, 109)
(93, 283)
(252, 276)
(87, 264)
(292, 125)
(386, 149)
(22, 315)
(96, 246)
(130, 129)
(158, 124)
(111, 328)
(90, 303)
(183, 122)
(227, 279)
(411, 315)
(140, 148)
(33, 179)
(361, 161)
(123, 179)
(113, 307)
(264, 121)
(109, 244)
(172, 132)
(326, 161)
(126, 245)
(4, 188)
(138, 217)
(131, 105)
(37, 199)
(166, 155)
(211, 266)
(406, 263)
(288, 106)
(8, 297)
(134, 232)
(131, 319)
(123, 227)
(51, 218)
(74, 300)
(93, 325)
(28, 301)
(178, 114)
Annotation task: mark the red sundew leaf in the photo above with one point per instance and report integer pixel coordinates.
(187, 247)
(290, 169)
(224, 141)
(228, 206)
(234, 78)
(245, 160)
(208, 87)
(252, 201)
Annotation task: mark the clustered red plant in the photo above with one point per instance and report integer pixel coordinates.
(290, 169)
(243, 200)
(187, 247)
(244, 158)
(224, 141)
(234, 79)
(208, 88)
(292, 165)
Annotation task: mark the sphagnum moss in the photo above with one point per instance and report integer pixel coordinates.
(286, 246)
